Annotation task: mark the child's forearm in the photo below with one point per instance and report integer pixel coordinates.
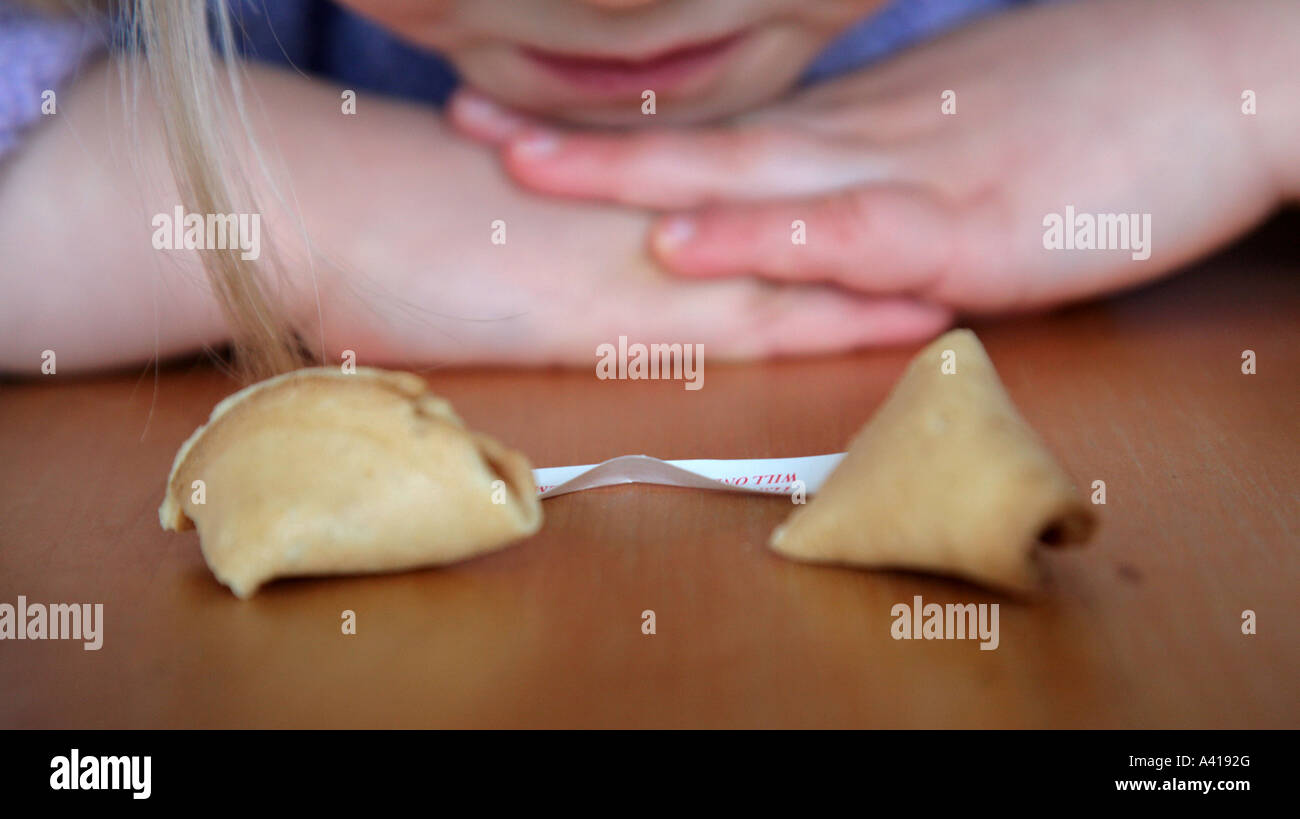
(79, 273)
(383, 193)
(84, 199)
(1262, 58)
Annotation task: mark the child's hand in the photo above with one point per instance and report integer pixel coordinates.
(568, 277)
(1109, 107)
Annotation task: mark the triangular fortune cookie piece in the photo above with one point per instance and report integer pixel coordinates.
(946, 478)
(324, 472)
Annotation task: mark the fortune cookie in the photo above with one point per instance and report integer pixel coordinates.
(324, 472)
(946, 478)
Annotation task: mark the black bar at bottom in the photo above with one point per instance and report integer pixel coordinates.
(242, 769)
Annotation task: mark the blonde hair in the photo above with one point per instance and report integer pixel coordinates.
(182, 69)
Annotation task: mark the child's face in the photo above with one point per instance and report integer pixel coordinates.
(591, 60)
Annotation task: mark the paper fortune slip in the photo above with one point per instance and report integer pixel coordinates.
(779, 476)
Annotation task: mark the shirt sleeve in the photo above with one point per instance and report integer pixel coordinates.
(38, 53)
(899, 25)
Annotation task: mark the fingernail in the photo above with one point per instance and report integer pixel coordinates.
(535, 144)
(483, 111)
(674, 233)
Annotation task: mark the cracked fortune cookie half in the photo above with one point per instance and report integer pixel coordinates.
(945, 478)
(321, 472)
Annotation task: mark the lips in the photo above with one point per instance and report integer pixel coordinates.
(617, 75)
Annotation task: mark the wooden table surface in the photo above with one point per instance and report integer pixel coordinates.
(1142, 628)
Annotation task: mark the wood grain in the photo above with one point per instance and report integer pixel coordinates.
(1140, 629)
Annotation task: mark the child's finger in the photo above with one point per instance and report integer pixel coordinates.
(808, 328)
(872, 239)
(480, 118)
(773, 319)
(681, 169)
